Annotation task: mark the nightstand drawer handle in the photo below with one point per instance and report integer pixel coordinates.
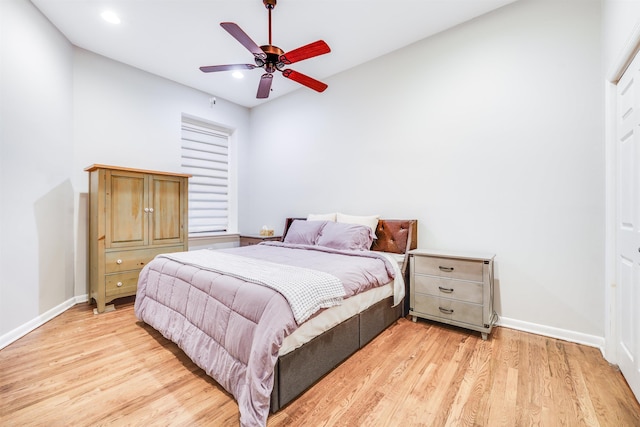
(446, 310)
(446, 269)
(445, 290)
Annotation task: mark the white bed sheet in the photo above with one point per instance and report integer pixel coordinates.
(330, 317)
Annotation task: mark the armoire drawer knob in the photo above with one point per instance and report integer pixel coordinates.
(119, 261)
(119, 284)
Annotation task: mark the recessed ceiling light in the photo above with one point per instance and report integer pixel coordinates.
(237, 74)
(110, 17)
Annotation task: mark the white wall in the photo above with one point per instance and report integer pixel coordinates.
(63, 109)
(128, 117)
(36, 152)
(490, 134)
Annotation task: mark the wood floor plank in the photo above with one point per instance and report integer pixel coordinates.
(497, 410)
(531, 381)
(85, 370)
(465, 408)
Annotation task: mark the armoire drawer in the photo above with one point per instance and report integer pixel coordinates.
(448, 309)
(449, 288)
(448, 267)
(117, 261)
(121, 283)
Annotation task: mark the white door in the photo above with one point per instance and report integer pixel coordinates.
(628, 225)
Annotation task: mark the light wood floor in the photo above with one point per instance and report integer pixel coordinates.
(85, 370)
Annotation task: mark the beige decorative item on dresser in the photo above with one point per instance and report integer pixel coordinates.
(134, 215)
(453, 287)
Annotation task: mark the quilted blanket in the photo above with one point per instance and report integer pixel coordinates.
(233, 328)
(306, 290)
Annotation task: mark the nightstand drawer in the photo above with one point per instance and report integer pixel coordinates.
(448, 309)
(449, 267)
(448, 288)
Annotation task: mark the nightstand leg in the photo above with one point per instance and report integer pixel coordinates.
(484, 336)
(414, 318)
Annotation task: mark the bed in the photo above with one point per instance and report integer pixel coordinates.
(222, 310)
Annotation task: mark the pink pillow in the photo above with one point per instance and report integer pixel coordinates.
(303, 232)
(338, 235)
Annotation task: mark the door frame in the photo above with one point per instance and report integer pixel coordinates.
(631, 48)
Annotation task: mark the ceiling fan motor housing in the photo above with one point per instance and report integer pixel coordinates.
(272, 63)
(269, 4)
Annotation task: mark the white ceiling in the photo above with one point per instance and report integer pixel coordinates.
(172, 38)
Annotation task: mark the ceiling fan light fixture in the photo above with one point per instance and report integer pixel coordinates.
(110, 16)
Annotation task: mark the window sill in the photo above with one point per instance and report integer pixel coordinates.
(214, 239)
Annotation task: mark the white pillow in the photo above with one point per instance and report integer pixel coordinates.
(370, 221)
(322, 217)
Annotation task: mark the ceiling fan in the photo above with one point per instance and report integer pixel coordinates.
(272, 58)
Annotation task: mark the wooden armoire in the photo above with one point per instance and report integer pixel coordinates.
(134, 215)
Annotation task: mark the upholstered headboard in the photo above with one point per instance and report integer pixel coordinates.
(396, 235)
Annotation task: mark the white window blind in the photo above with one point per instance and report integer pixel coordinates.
(205, 155)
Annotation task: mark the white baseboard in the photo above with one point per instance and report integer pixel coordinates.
(23, 330)
(549, 331)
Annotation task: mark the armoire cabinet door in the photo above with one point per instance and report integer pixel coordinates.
(166, 217)
(127, 223)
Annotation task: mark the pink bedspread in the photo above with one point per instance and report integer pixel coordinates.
(233, 329)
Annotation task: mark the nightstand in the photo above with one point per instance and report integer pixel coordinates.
(254, 239)
(452, 287)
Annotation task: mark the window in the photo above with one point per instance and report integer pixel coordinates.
(205, 155)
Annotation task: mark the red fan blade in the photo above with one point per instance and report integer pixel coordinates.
(304, 80)
(305, 52)
(213, 68)
(243, 38)
(265, 85)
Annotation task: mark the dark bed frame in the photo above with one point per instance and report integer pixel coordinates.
(298, 370)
